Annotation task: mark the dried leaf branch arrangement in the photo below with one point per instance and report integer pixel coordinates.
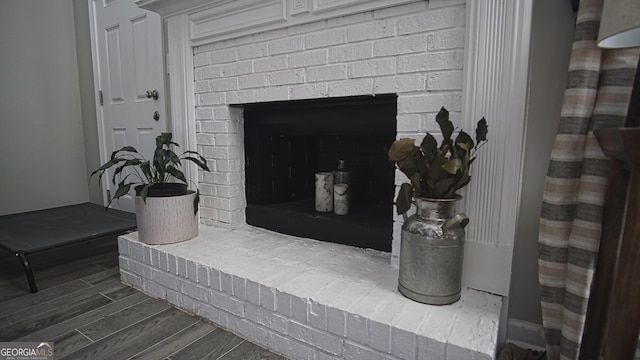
(436, 172)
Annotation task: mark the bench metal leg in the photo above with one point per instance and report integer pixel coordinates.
(27, 270)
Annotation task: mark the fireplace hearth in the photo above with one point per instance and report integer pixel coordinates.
(286, 143)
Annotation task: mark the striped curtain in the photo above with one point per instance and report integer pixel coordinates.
(597, 95)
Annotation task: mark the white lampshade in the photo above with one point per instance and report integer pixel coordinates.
(620, 24)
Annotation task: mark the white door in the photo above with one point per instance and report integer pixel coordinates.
(127, 61)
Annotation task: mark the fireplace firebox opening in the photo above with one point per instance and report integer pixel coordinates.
(286, 143)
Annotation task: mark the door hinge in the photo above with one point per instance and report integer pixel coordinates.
(100, 96)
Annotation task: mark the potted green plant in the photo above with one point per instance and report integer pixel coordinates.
(165, 209)
(432, 240)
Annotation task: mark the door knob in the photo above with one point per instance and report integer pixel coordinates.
(156, 116)
(152, 94)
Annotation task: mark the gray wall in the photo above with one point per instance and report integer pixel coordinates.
(551, 46)
(87, 96)
(41, 127)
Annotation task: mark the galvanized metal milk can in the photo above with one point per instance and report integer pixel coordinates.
(431, 252)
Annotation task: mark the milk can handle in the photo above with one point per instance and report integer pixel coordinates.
(461, 219)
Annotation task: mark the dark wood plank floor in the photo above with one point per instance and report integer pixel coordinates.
(84, 309)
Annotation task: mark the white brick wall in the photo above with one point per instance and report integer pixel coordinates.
(414, 51)
(303, 308)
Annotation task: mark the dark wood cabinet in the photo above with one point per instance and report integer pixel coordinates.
(613, 314)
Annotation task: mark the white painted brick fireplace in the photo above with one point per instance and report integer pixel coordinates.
(303, 298)
(410, 50)
(307, 299)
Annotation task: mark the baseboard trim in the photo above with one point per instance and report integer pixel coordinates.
(525, 334)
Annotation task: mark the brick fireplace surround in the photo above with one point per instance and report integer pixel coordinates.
(307, 299)
(303, 298)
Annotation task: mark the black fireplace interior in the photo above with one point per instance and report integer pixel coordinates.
(286, 143)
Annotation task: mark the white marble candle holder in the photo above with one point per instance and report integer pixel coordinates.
(324, 192)
(341, 199)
